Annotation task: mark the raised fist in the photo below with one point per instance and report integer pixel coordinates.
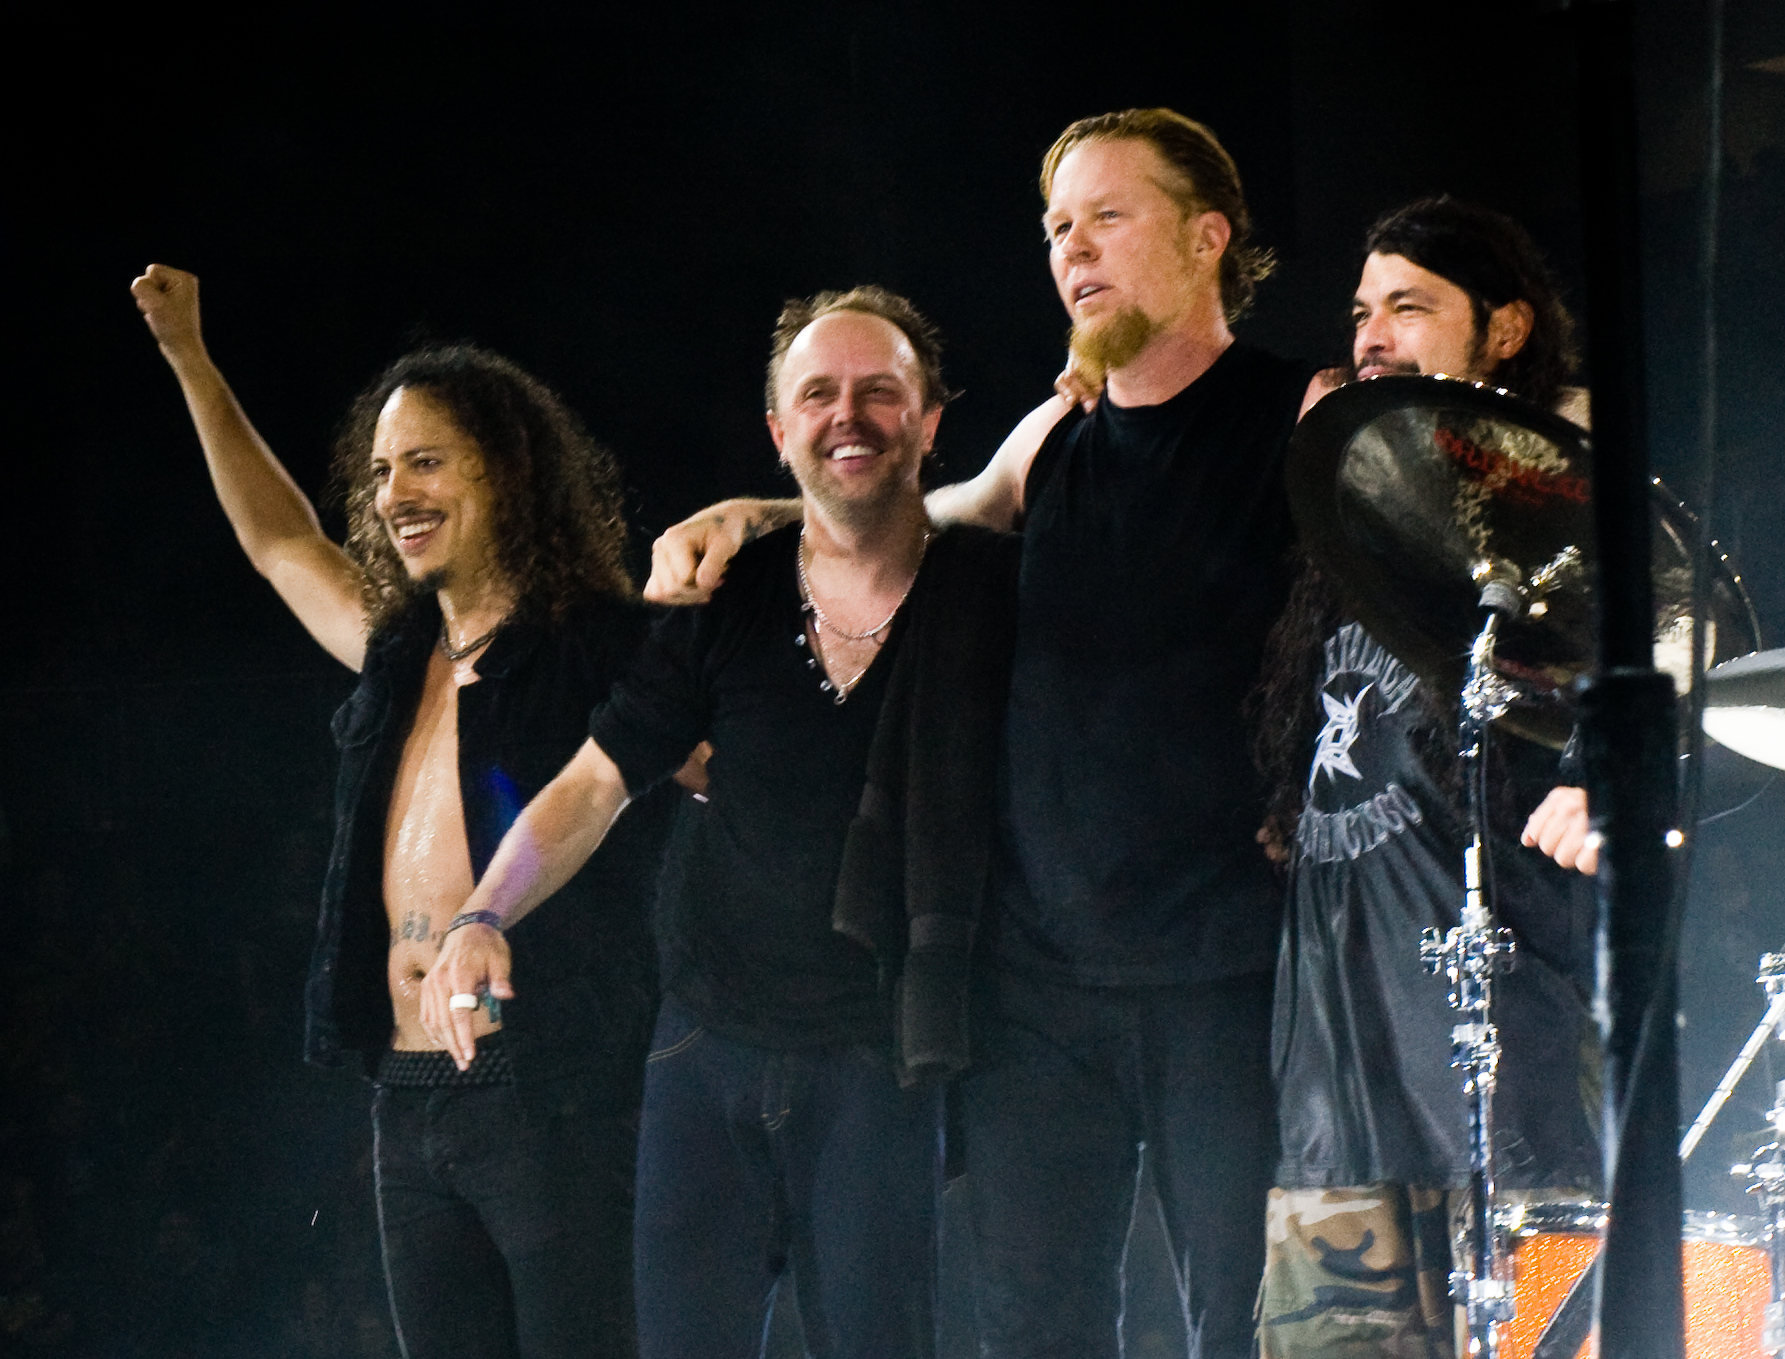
(168, 300)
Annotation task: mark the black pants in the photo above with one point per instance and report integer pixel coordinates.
(1074, 1081)
(756, 1163)
(506, 1218)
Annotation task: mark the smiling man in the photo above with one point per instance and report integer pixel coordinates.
(1128, 1000)
(482, 597)
(1373, 1121)
(1449, 287)
(815, 925)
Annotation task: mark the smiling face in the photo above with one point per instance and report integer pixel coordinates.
(1128, 260)
(849, 418)
(1407, 319)
(432, 494)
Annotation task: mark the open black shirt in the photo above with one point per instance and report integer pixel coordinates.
(744, 914)
(583, 962)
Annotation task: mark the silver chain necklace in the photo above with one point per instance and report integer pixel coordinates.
(455, 654)
(822, 623)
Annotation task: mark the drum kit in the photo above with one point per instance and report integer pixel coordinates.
(1457, 523)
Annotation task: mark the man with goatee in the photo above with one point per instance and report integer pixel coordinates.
(1128, 996)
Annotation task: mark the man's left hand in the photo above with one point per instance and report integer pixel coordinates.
(473, 961)
(1560, 829)
(1079, 383)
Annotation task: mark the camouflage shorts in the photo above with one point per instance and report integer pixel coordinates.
(1354, 1272)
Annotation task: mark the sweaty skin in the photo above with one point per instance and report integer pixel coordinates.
(430, 475)
(851, 423)
(427, 861)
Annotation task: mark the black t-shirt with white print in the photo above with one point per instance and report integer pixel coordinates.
(1362, 1033)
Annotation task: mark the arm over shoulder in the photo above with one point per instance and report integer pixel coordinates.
(273, 519)
(994, 498)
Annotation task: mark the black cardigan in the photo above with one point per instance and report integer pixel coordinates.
(917, 860)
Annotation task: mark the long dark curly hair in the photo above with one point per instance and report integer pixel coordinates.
(560, 535)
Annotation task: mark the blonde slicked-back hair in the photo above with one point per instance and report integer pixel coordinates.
(1206, 180)
(871, 300)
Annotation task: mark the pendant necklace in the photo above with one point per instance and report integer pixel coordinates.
(822, 623)
(456, 654)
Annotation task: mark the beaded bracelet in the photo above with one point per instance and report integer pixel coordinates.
(489, 918)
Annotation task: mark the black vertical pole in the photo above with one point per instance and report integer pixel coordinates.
(1629, 730)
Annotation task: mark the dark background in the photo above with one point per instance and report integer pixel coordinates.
(621, 203)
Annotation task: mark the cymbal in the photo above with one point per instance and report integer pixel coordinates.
(1409, 491)
(1744, 706)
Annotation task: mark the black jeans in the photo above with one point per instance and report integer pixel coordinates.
(1074, 1080)
(752, 1159)
(506, 1216)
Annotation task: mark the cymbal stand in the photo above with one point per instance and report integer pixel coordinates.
(1469, 955)
(1772, 977)
(1766, 1172)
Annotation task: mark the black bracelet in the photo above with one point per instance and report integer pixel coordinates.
(489, 918)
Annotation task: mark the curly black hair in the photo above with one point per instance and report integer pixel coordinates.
(560, 534)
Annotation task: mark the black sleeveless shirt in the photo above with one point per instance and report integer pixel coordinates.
(1154, 552)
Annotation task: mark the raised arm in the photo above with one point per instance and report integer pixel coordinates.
(273, 520)
(549, 841)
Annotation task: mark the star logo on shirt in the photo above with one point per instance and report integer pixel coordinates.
(1332, 749)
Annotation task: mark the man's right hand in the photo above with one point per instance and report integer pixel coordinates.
(272, 518)
(688, 562)
(168, 300)
(474, 961)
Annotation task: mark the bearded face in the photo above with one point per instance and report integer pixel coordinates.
(1113, 339)
(1130, 260)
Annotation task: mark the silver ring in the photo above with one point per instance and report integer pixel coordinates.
(465, 1000)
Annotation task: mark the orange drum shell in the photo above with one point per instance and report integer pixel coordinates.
(1727, 1287)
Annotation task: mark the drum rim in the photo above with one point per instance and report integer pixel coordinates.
(1588, 1219)
(1543, 1219)
(1731, 1229)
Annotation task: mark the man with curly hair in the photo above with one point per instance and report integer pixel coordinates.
(1367, 811)
(482, 598)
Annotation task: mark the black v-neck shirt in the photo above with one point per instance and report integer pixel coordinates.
(744, 911)
(1154, 553)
